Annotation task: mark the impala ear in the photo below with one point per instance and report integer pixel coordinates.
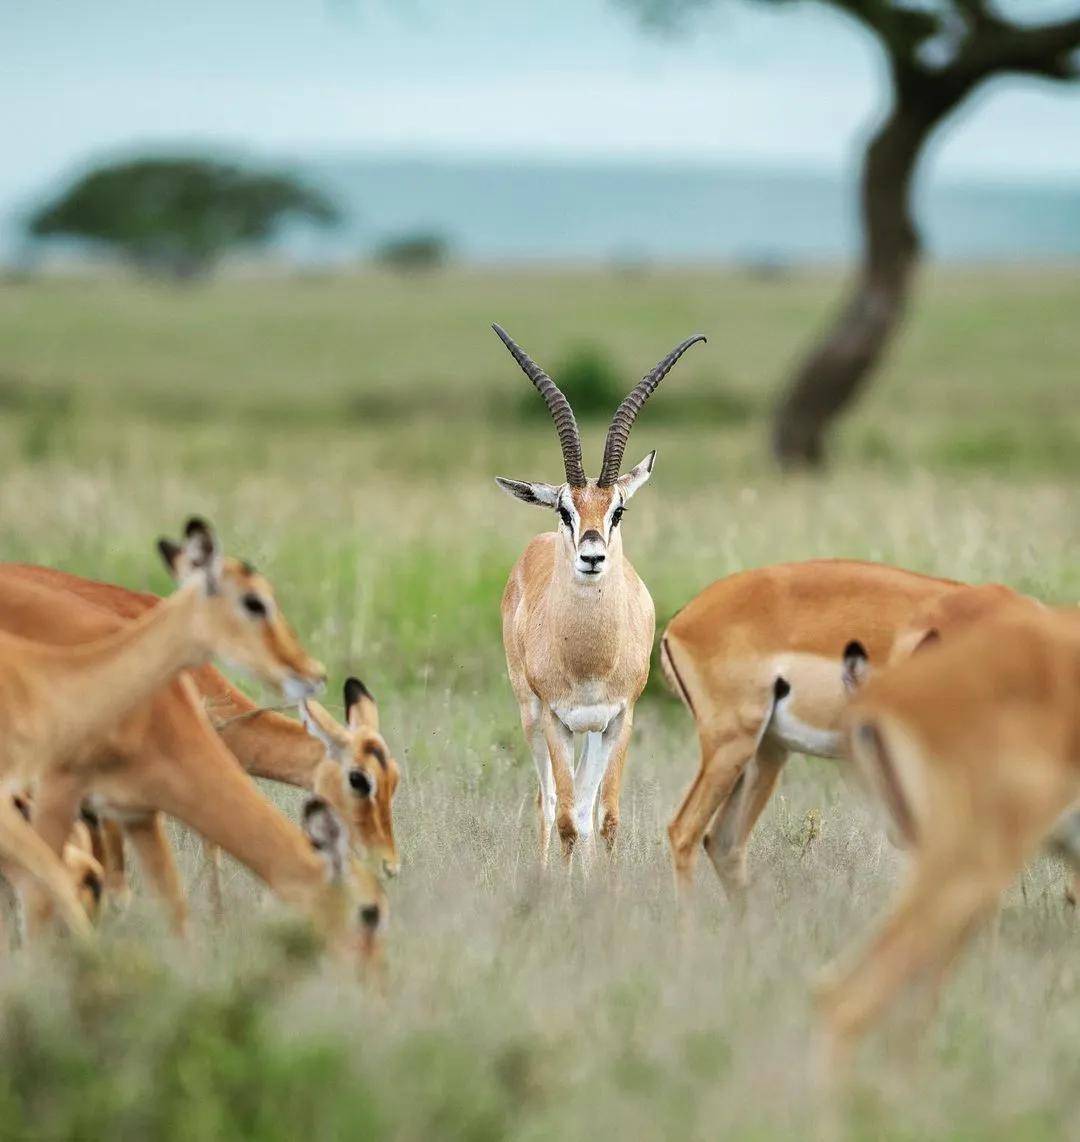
(856, 666)
(198, 556)
(170, 553)
(637, 477)
(545, 495)
(360, 707)
(327, 834)
(324, 729)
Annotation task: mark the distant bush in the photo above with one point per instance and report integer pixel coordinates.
(594, 385)
(591, 382)
(414, 252)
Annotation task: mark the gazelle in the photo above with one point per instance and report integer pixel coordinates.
(165, 755)
(754, 658)
(39, 601)
(577, 621)
(974, 748)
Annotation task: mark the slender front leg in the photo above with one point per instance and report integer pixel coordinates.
(545, 797)
(151, 843)
(587, 780)
(56, 805)
(22, 848)
(112, 860)
(211, 866)
(560, 743)
(616, 743)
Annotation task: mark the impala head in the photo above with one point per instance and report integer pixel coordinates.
(360, 776)
(240, 620)
(354, 910)
(589, 511)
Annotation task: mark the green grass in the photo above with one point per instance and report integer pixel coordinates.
(343, 435)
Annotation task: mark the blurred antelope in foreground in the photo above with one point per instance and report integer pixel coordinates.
(164, 754)
(973, 745)
(57, 703)
(49, 605)
(577, 621)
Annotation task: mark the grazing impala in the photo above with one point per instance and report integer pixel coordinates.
(578, 623)
(165, 754)
(754, 658)
(973, 746)
(55, 704)
(35, 601)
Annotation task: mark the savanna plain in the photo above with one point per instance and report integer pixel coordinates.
(342, 433)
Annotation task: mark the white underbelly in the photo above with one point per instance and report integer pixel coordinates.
(587, 719)
(802, 737)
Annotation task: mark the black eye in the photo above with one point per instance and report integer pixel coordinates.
(254, 605)
(360, 782)
(617, 515)
(566, 517)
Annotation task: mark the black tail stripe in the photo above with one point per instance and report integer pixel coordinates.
(677, 676)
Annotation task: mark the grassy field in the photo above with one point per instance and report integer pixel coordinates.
(342, 434)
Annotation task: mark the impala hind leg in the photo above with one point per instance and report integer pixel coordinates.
(560, 744)
(151, 843)
(726, 838)
(724, 756)
(934, 917)
(616, 745)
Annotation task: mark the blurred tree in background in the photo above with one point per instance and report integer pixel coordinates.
(938, 52)
(177, 217)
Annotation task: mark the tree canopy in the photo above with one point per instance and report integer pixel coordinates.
(178, 216)
(938, 52)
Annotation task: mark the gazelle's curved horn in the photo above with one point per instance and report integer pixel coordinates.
(558, 406)
(626, 413)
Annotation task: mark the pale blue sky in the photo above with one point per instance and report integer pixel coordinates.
(568, 78)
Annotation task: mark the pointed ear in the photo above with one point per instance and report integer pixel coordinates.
(546, 495)
(325, 831)
(360, 707)
(170, 553)
(198, 556)
(637, 476)
(200, 543)
(856, 666)
(322, 727)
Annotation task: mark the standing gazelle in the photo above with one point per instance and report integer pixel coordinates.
(578, 623)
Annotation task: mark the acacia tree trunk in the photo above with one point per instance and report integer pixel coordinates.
(839, 365)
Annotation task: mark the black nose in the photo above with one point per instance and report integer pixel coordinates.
(592, 560)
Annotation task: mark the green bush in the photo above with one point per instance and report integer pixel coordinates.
(591, 382)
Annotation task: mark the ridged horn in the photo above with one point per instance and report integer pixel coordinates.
(558, 406)
(626, 413)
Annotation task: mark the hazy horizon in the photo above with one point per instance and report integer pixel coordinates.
(744, 84)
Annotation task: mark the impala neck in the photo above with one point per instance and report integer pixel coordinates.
(266, 743)
(98, 684)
